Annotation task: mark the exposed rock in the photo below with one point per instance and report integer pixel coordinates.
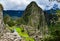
(1, 20)
(33, 33)
(10, 37)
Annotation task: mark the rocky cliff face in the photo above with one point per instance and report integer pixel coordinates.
(34, 19)
(4, 34)
(1, 20)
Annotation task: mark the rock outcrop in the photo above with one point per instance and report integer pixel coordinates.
(10, 37)
(1, 20)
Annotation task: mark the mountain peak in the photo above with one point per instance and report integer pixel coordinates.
(34, 18)
(32, 15)
(33, 2)
(1, 7)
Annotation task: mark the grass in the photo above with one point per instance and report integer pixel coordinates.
(29, 39)
(21, 32)
(24, 34)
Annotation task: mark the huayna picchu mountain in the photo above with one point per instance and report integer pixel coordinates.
(33, 20)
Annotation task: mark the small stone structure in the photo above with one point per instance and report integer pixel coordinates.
(10, 37)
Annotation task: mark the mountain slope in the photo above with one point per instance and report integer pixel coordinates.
(33, 20)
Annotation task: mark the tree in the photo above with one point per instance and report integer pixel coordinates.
(6, 18)
(11, 23)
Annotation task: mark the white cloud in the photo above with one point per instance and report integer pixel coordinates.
(21, 4)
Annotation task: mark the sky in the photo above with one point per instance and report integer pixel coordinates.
(21, 4)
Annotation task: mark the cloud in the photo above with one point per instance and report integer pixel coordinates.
(21, 4)
(14, 5)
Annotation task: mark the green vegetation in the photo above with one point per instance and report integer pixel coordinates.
(21, 32)
(29, 39)
(54, 30)
(24, 34)
(48, 38)
(20, 21)
(30, 18)
(58, 12)
(8, 20)
(11, 28)
(54, 36)
(11, 23)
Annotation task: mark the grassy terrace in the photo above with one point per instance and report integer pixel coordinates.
(22, 33)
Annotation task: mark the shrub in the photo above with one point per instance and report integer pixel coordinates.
(54, 36)
(11, 23)
(48, 38)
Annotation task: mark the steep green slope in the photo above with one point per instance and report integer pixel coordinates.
(57, 24)
(34, 16)
(34, 21)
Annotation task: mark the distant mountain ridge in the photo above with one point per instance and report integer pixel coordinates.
(13, 13)
(19, 13)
